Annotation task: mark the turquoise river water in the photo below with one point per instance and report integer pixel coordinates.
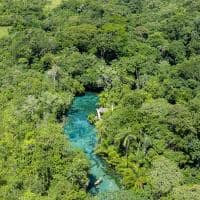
(83, 135)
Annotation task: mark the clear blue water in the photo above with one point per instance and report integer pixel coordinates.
(83, 135)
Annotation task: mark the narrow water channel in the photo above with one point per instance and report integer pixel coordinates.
(83, 135)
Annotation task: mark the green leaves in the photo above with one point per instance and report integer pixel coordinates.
(164, 176)
(142, 55)
(185, 192)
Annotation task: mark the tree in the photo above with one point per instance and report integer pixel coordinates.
(164, 176)
(185, 192)
(126, 143)
(54, 73)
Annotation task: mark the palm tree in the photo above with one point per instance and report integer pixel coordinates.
(126, 143)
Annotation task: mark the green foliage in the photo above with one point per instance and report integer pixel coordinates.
(144, 58)
(52, 4)
(164, 176)
(124, 194)
(185, 192)
(3, 32)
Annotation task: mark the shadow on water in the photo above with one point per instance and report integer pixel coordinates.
(83, 135)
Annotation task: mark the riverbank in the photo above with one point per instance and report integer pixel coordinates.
(83, 136)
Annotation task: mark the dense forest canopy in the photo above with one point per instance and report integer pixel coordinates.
(143, 56)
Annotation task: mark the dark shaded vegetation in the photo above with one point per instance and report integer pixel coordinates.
(145, 58)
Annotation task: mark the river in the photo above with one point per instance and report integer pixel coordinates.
(83, 135)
